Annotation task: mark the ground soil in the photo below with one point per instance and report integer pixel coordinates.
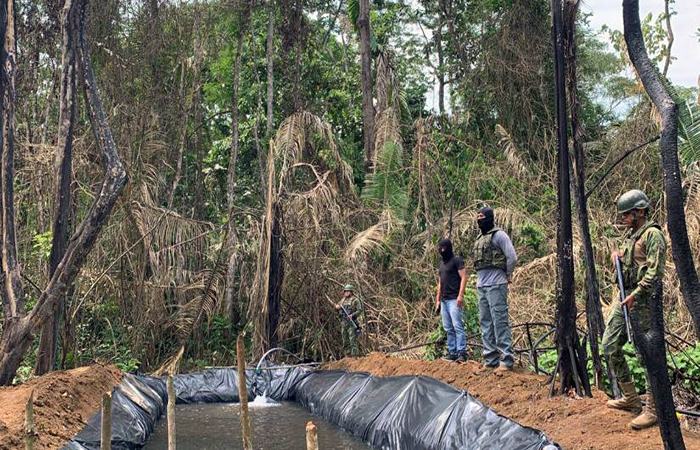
(63, 403)
(575, 424)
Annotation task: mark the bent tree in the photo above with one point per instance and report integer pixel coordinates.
(657, 90)
(19, 326)
(651, 344)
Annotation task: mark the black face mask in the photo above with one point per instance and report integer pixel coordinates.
(445, 249)
(487, 223)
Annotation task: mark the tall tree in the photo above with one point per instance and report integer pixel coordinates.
(658, 90)
(594, 313)
(20, 326)
(191, 103)
(363, 25)
(571, 363)
(651, 344)
(241, 14)
(46, 357)
(270, 65)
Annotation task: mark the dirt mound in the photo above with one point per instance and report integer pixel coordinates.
(63, 402)
(575, 424)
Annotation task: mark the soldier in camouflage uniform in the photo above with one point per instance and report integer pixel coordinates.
(350, 309)
(643, 257)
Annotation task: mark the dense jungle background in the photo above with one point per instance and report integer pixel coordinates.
(261, 179)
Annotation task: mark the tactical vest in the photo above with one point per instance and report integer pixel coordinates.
(486, 255)
(631, 273)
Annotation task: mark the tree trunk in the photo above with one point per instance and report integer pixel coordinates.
(366, 59)
(46, 358)
(299, 17)
(439, 71)
(256, 123)
(231, 192)
(191, 98)
(270, 65)
(18, 335)
(669, 31)
(594, 313)
(234, 120)
(652, 346)
(12, 290)
(571, 364)
(668, 145)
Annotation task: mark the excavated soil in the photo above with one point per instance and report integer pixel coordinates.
(63, 402)
(574, 423)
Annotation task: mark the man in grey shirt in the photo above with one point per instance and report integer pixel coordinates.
(494, 262)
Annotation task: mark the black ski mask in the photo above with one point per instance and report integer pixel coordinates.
(445, 249)
(487, 222)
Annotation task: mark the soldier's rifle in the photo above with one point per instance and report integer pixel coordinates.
(623, 295)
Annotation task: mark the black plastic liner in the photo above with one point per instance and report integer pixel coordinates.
(406, 412)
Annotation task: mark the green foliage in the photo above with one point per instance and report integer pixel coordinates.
(532, 235)
(689, 132)
(438, 347)
(42, 245)
(386, 187)
(688, 364)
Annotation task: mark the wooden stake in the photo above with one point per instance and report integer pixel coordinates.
(311, 436)
(172, 398)
(29, 425)
(106, 421)
(243, 395)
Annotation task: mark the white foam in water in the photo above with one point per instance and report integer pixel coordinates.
(262, 401)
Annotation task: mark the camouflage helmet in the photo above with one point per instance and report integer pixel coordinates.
(349, 287)
(634, 199)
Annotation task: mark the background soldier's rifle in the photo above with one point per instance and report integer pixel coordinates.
(623, 295)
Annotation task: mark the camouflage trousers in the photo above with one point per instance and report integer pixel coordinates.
(351, 345)
(615, 337)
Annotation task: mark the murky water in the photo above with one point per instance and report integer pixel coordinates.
(217, 426)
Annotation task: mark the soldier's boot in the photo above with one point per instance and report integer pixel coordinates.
(630, 401)
(648, 418)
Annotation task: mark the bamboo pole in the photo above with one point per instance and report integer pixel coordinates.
(243, 395)
(29, 425)
(172, 398)
(311, 436)
(106, 421)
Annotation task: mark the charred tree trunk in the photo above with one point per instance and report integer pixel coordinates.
(594, 313)
(572, 367)
(46, 358)
(668, 145)
(17, 336)
(652, 346)
(366, 59)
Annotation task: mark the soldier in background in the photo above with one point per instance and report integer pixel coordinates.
(350, 309)
(643, 257)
